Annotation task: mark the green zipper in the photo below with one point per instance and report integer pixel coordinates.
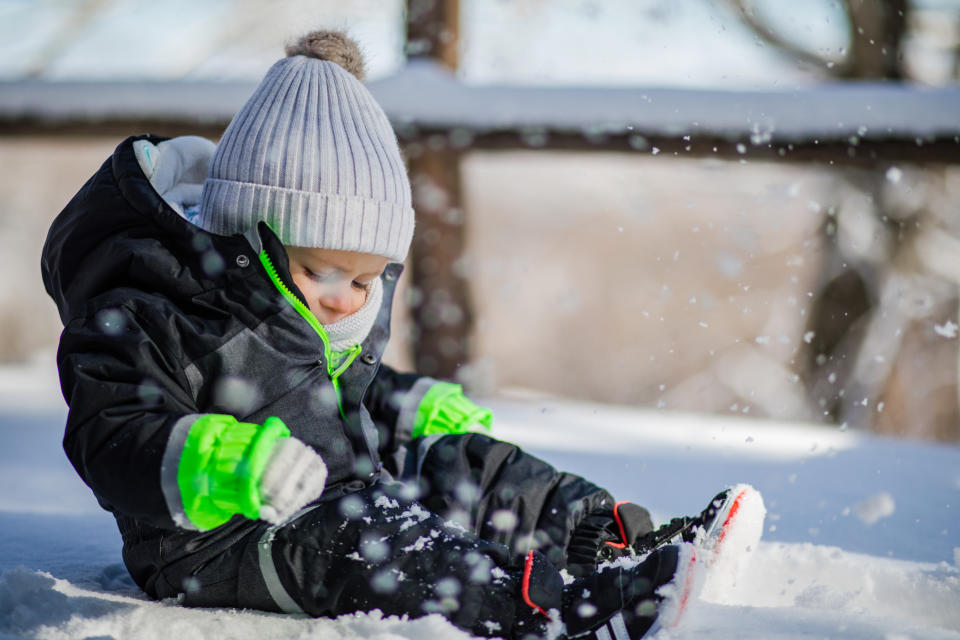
(311, 319)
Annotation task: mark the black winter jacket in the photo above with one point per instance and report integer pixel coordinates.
(164, 321)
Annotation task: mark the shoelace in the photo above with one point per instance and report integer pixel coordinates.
(666, 533)
(685, 527)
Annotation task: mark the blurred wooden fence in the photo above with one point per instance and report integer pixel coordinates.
(866, 128)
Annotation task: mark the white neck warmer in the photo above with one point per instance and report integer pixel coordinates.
(353, 329)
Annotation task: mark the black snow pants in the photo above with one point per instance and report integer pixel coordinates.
(452, 536)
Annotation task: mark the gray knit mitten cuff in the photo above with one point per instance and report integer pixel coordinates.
(294, 477)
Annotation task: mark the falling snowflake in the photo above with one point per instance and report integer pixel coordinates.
(948, 329)
(875, 508)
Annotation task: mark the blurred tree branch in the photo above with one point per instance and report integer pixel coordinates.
(865, 350)
(876, 32)
(746, 13)
(81, 15)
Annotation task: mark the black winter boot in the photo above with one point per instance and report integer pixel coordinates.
(736, 512)
(602, 536)
(686, 528)
(625, 603)
(605, 536)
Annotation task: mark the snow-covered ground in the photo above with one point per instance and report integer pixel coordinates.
(862, 537)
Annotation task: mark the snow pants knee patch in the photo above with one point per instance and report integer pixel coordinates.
(380, 549)
(504, 494)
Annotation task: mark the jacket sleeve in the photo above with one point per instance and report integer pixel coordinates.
(134, 433)
(405, 406)
(128, 400)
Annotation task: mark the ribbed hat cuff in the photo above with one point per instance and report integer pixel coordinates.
(309, 219)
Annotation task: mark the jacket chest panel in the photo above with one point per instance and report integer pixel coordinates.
(246, 373)
(250, 378)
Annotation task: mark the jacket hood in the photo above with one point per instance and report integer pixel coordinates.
(118, 231)
(118, 197)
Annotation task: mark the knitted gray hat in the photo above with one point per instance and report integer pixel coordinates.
(312, 154)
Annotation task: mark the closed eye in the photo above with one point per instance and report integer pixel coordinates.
(316, 276)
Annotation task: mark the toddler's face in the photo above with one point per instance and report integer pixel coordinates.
(334, 283)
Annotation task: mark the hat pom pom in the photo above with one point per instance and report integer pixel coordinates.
(332, 46)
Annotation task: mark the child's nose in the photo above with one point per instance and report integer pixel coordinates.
(336, 299)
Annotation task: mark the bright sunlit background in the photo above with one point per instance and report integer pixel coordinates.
(695, 43)
(693, 284)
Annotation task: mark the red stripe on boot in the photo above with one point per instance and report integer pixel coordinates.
(525, 586)
(688, 583)
(733, 511)
(623, 532)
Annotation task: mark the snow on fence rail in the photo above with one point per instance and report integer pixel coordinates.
(423, 99)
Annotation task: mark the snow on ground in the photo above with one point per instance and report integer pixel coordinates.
(862, 537)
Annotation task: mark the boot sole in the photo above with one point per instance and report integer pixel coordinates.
(740, 519)
(733, 535)
(681, 591)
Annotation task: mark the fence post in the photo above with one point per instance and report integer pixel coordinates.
(441, 310)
